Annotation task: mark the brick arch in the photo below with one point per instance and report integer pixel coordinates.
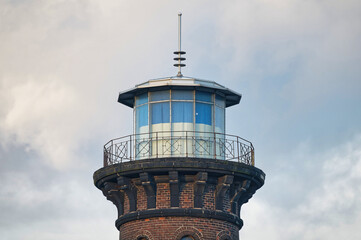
(224, 235)
(144, 233)
(183, 231)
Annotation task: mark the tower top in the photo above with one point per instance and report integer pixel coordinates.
(179, 83)
(179, 53)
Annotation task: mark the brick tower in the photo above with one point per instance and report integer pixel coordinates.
(179, 176)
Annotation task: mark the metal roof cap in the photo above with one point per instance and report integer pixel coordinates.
(181, 83)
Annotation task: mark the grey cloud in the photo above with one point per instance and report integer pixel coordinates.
(63, 63)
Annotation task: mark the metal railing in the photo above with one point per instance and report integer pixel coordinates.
(178, 144)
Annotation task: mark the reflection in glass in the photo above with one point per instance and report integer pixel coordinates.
(182, 95)
(159, 96)
(141, 99)
(142, 116)
(203, 113)
(203, 96)
(219, 119)
(182, 112)
(160, 112)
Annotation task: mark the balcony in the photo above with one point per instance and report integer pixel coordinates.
(186, 144)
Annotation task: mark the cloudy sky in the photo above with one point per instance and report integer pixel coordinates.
(297, 64)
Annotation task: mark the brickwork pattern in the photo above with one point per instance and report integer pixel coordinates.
(126, 204)
(141, 199)
(163, 195)
(209, 197)
(186, 195)
(226, 202)
(173, 228)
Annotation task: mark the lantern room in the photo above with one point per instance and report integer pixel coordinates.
(179, 116)
(179, 104)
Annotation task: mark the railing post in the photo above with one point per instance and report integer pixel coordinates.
(214, 145)
(186, 143)
(150, 145)
(112, 150)
(237, 149)
(156, 139)
(130, 143)
(252, 155)
(105, 157)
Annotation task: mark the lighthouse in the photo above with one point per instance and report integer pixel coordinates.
(179, 175)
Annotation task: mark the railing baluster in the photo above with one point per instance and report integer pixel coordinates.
(237, 149)
(105, 158)
(214, 146)
(156, 139)
(130, 143)
(186, 143)
(252, 155)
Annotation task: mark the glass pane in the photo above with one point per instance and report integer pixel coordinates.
(141, 99)
(142, 116)
(160, 113)
(220, 101)
(204, 113)
(219, 119)
(159, 95)
(203, 96)
(187, 238)
(182, 112)
(182, 95)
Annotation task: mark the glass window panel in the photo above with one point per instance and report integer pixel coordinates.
(160, 113)
(219, 119)
(203, 96)
(159, 95)
(142, 116)
(182, 112)
(141, 99)
(182, 95)
(220, 101)
(204, 113)
(187, 238)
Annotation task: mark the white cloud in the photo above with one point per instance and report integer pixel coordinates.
(331, 208)
(44, 115)
(308, 50)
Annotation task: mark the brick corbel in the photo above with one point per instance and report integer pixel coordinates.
(174, 188)
(199, 185)
(150, 188)
(240, 196)
(113, 193)
(129, 189)
(223, 185)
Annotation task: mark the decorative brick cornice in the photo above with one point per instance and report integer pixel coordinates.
(180, 212)
(179, 164)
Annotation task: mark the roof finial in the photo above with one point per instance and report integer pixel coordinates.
(179, 58)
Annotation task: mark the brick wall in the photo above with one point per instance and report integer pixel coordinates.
(163, 195)
(186, 195)
(173, 228)
(208, 197)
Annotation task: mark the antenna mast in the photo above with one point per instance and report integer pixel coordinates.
(179, 53)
